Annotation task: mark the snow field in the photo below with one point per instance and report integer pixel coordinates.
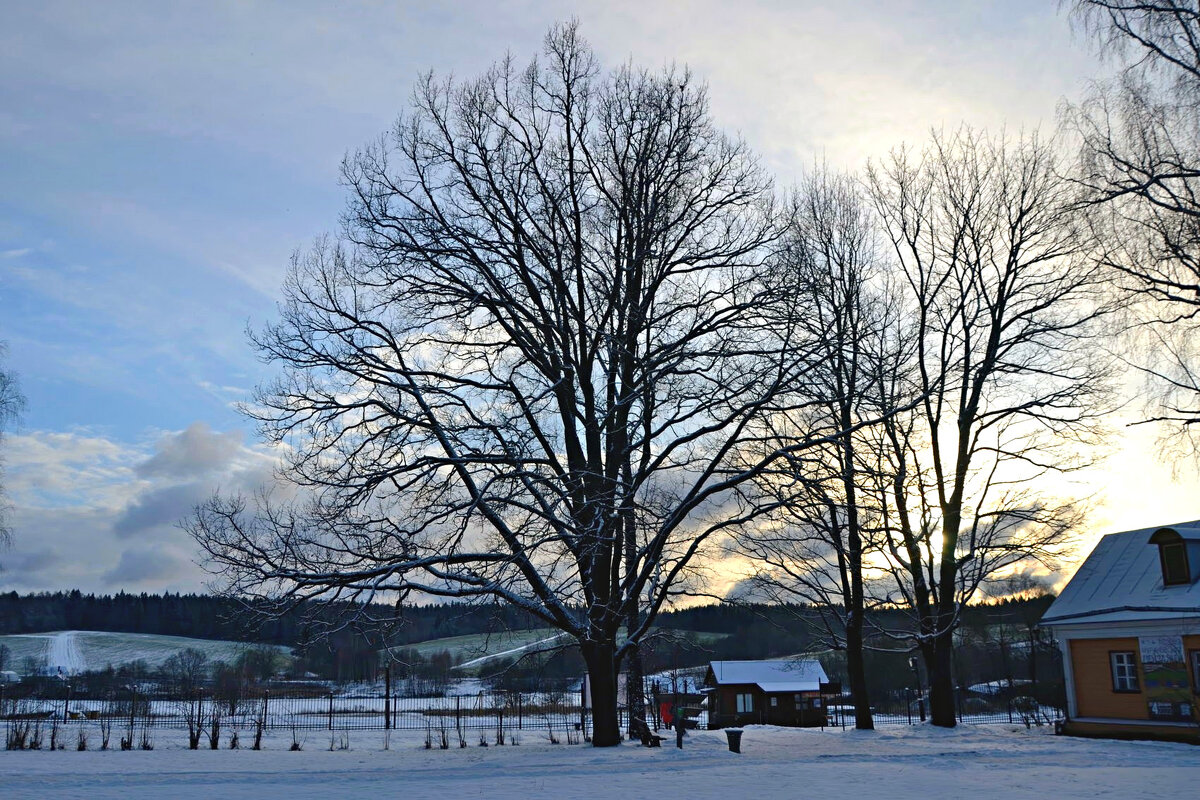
(77, 651)
(896, 763)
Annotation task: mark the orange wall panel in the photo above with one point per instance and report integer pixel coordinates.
(1094, 695)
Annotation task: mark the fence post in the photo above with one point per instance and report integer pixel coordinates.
(387, 697)
(266, 695)
(67, 703)
(458, 711)
(908, 704)
(331, 711)
(520, 713)
(583, 707)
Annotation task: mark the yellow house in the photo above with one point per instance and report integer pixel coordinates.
(1128, 625)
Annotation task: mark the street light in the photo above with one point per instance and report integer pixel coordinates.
(912, 662)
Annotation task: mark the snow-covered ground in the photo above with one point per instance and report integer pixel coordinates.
(896, 763)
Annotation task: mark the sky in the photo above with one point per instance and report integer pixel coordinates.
(159, 164)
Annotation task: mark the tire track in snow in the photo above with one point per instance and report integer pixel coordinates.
(523, 648)
(64, 654)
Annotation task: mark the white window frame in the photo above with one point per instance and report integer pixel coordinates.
(1123, 664)
(745, 702)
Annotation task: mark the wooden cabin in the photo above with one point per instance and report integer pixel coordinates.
(1128, 625)
(765, 692)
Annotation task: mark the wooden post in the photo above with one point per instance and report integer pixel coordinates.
(387, 697)
(583, 706)
(331, 711)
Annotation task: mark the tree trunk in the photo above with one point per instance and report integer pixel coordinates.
(602, 678)
(939, 661)
(857, 672)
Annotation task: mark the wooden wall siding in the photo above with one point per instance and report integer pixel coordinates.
(1094, 695)
(785, 713)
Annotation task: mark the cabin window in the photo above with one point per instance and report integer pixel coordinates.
(1174, 563)
(1124, 670)
(1195, 671)
(774, 702)
(745, 703)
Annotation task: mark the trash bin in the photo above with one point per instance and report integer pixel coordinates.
(734, 735)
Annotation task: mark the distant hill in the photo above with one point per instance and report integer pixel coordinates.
(73, 652)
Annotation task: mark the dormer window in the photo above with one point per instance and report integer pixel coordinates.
(1173, 557)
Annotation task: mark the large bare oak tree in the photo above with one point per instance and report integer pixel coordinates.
(538, 365)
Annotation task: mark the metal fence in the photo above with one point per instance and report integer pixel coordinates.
(341, 710)
(1018, 705)
(447, 715)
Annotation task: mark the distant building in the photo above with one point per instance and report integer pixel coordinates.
(765, 692)
(1128, 624)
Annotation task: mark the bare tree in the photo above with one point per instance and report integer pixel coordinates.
(817, 549)
(536, 368)
(11, 404)
(187, 669)
(1139, 164)
(1007, 308)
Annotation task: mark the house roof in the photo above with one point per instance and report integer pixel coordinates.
(1121, 581)
(771, 676)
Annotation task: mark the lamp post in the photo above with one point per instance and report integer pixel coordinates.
(912, 662)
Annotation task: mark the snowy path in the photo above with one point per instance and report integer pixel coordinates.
(919, 763)
(523, 648)
(64, 654)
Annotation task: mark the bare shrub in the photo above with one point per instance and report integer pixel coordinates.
(35, 735)
(17, 734)
(214, 727)
(106, 724)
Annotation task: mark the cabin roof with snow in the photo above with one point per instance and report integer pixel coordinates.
(1125, 579)
(770, 676)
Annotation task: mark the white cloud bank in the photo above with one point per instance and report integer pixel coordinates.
(98, 515)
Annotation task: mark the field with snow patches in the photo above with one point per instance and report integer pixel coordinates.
(77, 651)
(477, 650)
(918, 762)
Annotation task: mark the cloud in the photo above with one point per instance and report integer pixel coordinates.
(93, 513)
(193, 452)
(142, 565)
(159, 507)
(58, 469)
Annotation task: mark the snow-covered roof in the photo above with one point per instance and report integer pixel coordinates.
(771, 676)
(1121, 581)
